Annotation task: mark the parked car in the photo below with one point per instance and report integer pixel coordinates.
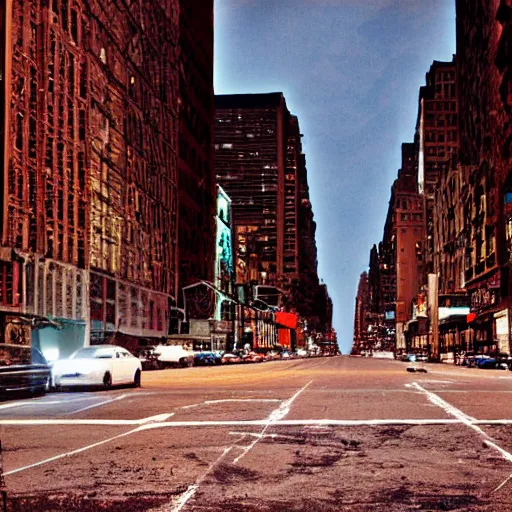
(229, 358)
(216, 356)
(302, 353)
(204, 359)
(422, 358)
(98, 365)
(174, 356)
(285, 354)
(484, 361)
(252, 357)
(500, 361)
(23, 369)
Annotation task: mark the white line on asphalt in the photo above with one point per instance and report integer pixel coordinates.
(262, 436)
(156, 422)
(33, 402)
(160, 418)
(99, 404)
(180, 502)
(276, 415)
(69, 454)
(225, 400)
(142, 424)
(470, 422)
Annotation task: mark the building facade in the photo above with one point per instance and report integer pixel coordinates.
(250, 160)
(484, 73)
(437, 139)
(361, 309)
(260, 164)
(403, 245)
(196, 182)
(89, 167)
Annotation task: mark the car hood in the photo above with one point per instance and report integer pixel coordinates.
(79, 365)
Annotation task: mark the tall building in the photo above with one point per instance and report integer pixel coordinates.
(437, 138)
(308, 263)
(196, 182)
(256, 152)
(361, 309)
(484, 73)
(89, 165)
(250, 162)
(403, 245)
(260, 164)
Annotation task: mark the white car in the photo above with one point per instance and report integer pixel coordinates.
(174, 355)
(98, 365)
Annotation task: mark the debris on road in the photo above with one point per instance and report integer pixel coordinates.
(416, 369)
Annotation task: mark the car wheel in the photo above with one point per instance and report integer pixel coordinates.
(136, 379)
(107, 380)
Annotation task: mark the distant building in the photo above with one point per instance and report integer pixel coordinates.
(250, 161)
(437, 139)
(260, 164)
(402, 248)
(361, 310)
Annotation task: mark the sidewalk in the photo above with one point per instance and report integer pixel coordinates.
(445, 368)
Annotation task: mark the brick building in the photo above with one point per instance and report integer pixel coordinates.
(89, 166)
(403, 244)
(437, 139)
(484, 73)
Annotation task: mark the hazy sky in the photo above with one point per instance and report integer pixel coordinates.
(350, 70)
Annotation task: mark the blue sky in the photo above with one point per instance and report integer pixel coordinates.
(350, 70)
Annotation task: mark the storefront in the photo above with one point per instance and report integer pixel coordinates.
(490, 319)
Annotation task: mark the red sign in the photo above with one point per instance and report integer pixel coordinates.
(287, 320)
(470, 318)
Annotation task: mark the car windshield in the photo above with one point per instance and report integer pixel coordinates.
(93, 353)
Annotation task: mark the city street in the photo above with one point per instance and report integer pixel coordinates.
(320, 434)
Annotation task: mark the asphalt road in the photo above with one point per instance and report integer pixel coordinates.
(325, 434)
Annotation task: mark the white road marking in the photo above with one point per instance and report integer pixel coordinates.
(180, 502)
(33, 402)
(263, 436)
(158, 421)
(275, 416)
(142, 423)
(99, 404)
(433, 381)
(469, 422)
(69, 454)
(225, 400)
(160, 418)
